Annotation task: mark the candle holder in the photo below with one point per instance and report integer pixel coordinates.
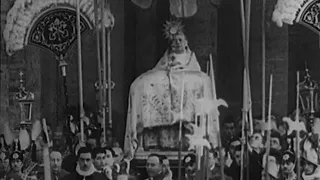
(25, 99)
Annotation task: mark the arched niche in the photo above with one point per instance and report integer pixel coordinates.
(37, 34)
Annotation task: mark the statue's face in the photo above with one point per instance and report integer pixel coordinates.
(179, 44)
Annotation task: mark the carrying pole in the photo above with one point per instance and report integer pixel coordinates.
(181, 113)
(100, 84)
(263, 50)
(109, 80)
(104, 67)
(269, 129)
(80, 71)
(298, 132)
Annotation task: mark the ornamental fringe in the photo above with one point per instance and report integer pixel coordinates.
(25, 12)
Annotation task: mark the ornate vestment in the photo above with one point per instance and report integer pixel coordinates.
(155, 96)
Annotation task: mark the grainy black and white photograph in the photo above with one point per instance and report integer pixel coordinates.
(160, 90)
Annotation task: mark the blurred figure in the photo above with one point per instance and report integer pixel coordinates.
(4, 164)
(214, 163)
(166, 168)
(228, 129)
(273, 165)
(189, 163)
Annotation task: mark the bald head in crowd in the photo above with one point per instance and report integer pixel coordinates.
(55, 161)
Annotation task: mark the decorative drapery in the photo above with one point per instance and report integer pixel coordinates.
(305, 12)
(56, 31)
(48, 16)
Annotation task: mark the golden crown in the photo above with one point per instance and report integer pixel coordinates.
(172, 28)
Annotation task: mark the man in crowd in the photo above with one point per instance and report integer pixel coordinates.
(274, 161)
(154, 167)
(99, 158)
(189, 163)
(16, 164)
(288, 165)
(85, 169)
(55, 163)
(233, 168)
(276, 140)
(229, 129)
(256, 148)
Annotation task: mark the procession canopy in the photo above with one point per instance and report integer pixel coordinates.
(49, 24)
(305, 12)
(155, 96)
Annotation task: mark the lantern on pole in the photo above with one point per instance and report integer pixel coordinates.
(25, 99)
(309, 99)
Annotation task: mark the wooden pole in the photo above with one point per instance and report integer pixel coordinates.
(80, 71)
(243, 27)
(109, 79)
(263, 39)
(298, 132)
(104, 67)
(96, 15)
(214, 97)
(181, 113)
(45, 149)
(247, 50)
(180, 126)
(269, 130)
(244, 119)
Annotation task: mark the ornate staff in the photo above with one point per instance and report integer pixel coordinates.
(109, 79)
(80, 71)
(104, 70)
(96, 15)
(269, 129)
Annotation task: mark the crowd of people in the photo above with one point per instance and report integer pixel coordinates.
(90, 161)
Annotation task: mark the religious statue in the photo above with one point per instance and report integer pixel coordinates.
(156, 98)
